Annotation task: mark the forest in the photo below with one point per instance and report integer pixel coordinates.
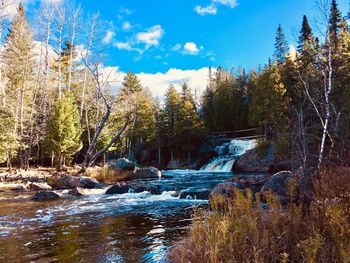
(61, 111)
(59, 107)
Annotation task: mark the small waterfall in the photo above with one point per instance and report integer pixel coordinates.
(228, 154)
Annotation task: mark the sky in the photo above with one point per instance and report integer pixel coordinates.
(177, 40)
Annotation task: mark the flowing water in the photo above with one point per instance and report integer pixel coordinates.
(227, 154)
(132, 227)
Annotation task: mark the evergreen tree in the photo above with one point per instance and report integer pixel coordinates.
(281, 46)
(18, 63)
(64, 130)
(305, 35)
(269, 106)
(131, 85)
(335, 24)
(171, 113)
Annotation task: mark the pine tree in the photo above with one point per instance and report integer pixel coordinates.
(170, 115)
(131, 85)
(189, 128)
(64, 130)
(335, 22)
(281, 46)
(18, 62)
(269, 107)
(305, 35)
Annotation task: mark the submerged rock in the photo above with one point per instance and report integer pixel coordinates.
(147, 173)
(255, 162)
(45, 196)
(118, 189)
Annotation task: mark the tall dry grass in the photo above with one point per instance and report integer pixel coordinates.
(107, 175)
(243, 229)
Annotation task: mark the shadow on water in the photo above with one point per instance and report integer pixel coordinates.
(99, 228)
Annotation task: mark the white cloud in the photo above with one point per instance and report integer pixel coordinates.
(207, 10)
(191, 48)
(212, 8)
(229, 3)
(126, 26)
(108, 37)
(158, 83)
(126, 46)
(150, 37)
(176, 47)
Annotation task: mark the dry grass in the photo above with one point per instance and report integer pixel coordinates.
(240, 230)
(106, 175)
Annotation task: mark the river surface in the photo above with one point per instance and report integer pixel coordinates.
(100, 228)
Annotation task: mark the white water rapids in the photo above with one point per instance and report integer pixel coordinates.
(228, 153)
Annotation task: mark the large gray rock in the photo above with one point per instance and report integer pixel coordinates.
(284, 185)
(118, 189)
(122, 164)
(89, 183)
(226, 189)
(45, 196)
(69, 182)
(147, 173)
(255, 162)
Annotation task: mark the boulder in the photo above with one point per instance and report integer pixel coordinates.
(281, 166)
(45, 196)
(154, 190)
(78, 191)
(201, 194)
(250, 179)
(226, 189)
(147, 173)
(121, 169)
(118, 189)
(255, 162)
(122, 164)
(89, 183)
(284, 185)
(39, 186)
(69, 182)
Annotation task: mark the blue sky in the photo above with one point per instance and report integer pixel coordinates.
(239, 34)
(175, 41)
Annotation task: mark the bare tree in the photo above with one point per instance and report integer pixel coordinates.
(100, 83)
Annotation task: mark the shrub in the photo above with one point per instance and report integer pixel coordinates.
(242, 229)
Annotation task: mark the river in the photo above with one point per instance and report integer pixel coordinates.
(132, 227)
